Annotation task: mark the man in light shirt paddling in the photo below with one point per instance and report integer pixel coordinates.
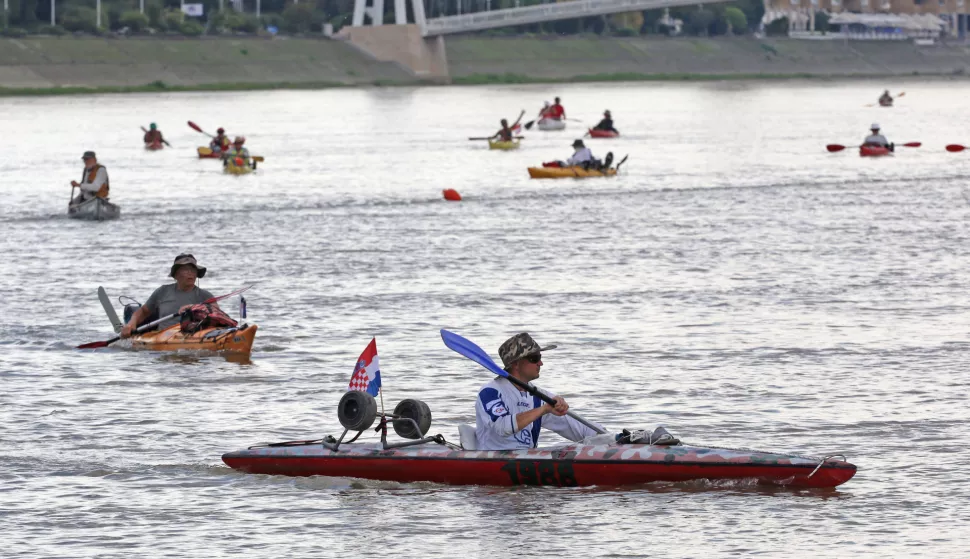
(94, 179)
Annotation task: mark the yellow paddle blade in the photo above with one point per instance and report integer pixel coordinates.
(205, 151)
(258, 158)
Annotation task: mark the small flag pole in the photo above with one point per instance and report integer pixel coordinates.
(381, 394)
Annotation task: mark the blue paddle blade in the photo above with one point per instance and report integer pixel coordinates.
(468, 348)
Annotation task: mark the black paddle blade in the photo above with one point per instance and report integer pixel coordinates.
(528, 125)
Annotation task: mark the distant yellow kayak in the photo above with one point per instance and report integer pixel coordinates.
(567, 173)
(233, 169)
(499, 144)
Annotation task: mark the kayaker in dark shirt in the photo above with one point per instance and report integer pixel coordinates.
(606, 123)
(172, 298)
(220, 142)
(885, 98)
(505, 134)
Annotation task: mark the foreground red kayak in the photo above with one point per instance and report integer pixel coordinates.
(594, 133)
(873, 151)
(571, 465)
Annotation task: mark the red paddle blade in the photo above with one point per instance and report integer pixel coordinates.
(93, 345)
(955, 148)
(913, 144)
(195, 127)
(834, 147)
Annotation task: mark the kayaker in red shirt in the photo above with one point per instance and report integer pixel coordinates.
(505, 134)
(556, 111)
(544, 111)
(154, 135)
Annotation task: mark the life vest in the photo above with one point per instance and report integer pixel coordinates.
(223, 144)
(88, 176)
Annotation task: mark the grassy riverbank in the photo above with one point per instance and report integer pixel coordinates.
(555, 59)
(73, 65)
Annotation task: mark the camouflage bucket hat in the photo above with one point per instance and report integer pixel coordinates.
(187, 260)
(517, 347)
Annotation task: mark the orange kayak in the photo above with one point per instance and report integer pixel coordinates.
(229, 340)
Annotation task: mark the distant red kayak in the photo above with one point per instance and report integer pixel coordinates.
(873, 151)
(153, 146)
(594, 133)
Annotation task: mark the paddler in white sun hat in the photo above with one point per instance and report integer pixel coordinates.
(876, 139)
(509, 418)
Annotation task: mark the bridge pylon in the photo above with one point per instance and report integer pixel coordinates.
(374, 9)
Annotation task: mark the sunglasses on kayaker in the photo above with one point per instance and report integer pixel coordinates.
(533, 358)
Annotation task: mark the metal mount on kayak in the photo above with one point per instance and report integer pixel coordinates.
(357, 411)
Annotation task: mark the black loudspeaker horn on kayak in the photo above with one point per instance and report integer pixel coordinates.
(419, 415)
(357, 411)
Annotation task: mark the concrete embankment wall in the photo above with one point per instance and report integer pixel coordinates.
(45, 62)
(568, 57)
(403, 57)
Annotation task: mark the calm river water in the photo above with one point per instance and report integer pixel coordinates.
(737, 284)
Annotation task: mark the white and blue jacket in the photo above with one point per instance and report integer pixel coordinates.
(499, 402)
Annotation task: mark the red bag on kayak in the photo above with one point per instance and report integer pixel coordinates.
(198, 317)
(554, 164)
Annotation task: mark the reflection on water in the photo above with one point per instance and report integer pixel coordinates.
(736, 283)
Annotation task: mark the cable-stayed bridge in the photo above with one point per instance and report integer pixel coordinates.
(491, 19)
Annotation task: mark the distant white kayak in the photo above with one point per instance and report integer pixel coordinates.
(97, 209)
(548, 124)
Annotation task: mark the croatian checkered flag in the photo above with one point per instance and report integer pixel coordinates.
(367, 373)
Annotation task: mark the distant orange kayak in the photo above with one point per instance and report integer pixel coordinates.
(228, 340)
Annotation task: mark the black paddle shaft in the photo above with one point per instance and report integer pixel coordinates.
(531, 390)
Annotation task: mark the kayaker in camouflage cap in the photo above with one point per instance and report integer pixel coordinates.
(508, 418)
(173, 297)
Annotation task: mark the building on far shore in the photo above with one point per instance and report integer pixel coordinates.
(923, 21)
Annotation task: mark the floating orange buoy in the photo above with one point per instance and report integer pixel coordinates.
(451, 194)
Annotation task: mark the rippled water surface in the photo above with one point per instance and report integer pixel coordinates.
(736, 283)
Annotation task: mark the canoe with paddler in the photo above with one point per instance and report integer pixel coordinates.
(92, 202)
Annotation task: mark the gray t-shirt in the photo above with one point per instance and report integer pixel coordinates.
(167, 300)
